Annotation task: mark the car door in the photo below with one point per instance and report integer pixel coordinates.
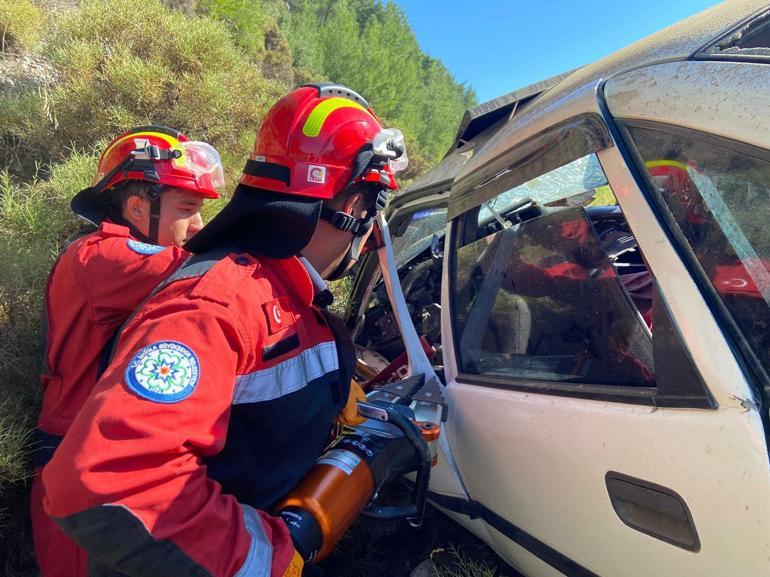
(605, 423)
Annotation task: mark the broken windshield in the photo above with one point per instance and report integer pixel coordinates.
(582, 175)
(417, 236)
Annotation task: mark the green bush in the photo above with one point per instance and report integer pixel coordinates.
(255, 28)
(21, 24)
(34, 223)
(116, 71)
(245, 18)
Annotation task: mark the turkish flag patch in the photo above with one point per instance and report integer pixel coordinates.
(278, 315)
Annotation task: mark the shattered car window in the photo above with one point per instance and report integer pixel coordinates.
(550, 284)
(419, 234)
(719, 200)
(751, 39)
(582, 181)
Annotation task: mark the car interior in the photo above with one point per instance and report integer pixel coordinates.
(608, 236)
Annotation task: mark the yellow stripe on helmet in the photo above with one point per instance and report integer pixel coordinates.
(320, 113)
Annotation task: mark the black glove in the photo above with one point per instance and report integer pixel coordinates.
(304, 530)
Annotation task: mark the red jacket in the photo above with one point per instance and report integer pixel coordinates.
(94, 286)
(235, 362)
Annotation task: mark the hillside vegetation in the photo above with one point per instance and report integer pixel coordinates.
(75, 73)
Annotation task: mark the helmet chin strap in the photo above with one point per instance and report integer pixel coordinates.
(352, 255)
(155, 192)
(358, 226)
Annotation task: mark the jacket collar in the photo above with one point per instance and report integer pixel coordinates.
(111, 229)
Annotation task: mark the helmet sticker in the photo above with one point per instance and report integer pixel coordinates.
(164, 372)
(143, 247)
(316, 174)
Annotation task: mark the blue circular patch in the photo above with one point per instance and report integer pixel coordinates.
(164, 372)
(143, 247)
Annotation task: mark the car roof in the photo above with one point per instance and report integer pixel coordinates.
(681, 41)
(479, 118)
(478, 124)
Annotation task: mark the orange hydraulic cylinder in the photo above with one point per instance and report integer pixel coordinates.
(334, 495)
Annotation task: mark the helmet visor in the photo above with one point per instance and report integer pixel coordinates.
(202, 161)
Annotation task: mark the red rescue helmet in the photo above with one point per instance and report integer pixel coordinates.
(158, 155)
(320, 138)
(314, 142)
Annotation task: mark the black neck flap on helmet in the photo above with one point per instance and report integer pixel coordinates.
(261, 222)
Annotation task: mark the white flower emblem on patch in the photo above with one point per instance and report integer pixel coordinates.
(165, 372)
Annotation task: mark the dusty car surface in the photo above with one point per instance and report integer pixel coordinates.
(591, 263)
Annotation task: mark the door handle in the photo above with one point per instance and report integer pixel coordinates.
(652, 509)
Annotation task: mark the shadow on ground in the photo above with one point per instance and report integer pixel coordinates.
(375, 548)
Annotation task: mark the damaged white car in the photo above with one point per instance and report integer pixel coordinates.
(589, 269)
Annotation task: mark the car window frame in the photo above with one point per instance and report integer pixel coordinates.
(525, 155)
(463, 221)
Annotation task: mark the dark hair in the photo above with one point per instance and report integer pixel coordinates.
(117, 196)
(369, 190)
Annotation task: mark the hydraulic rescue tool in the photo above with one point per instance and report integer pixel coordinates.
(346, 479)
(400, 436)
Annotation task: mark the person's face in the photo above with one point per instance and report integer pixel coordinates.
(180, 216)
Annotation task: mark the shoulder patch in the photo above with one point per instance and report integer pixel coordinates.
(143, 247)
(164, 372)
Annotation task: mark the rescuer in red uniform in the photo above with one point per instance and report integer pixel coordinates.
(224, 385)
(146, 200)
